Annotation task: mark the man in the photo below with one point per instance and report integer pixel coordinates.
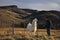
(48, 26)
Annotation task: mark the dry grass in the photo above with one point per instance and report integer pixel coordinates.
(25, 31)
(21, 32)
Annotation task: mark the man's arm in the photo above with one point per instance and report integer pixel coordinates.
(51, 24)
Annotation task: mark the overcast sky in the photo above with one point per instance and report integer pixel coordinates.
(34, 4)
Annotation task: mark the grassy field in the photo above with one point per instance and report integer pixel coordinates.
(24, 34)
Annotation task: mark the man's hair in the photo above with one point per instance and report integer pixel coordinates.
(47, 17)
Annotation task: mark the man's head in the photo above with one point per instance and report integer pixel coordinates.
(46, 18)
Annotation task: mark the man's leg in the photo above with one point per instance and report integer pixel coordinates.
(48, 31)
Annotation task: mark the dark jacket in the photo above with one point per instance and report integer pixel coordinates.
(47, 24)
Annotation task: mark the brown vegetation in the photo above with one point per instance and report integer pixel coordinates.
(24, 31)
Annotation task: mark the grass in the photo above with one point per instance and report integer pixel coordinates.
(23, 34)
(39, 37)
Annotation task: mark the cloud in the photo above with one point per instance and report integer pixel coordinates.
(33, 4)
(9, 2)
(44, 6)
(56, 1)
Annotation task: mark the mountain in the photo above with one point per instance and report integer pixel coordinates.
(19, 17)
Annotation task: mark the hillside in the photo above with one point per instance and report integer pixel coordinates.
(53, 15)
(8, 17)
(12, 15)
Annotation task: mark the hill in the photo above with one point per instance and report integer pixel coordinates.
(8, 16)
(20, 17)
(53, 15)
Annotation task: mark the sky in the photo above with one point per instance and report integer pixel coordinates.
(33, 4)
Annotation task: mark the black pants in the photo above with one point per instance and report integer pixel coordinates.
(48, 30)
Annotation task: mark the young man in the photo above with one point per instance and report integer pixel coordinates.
(48, 26)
